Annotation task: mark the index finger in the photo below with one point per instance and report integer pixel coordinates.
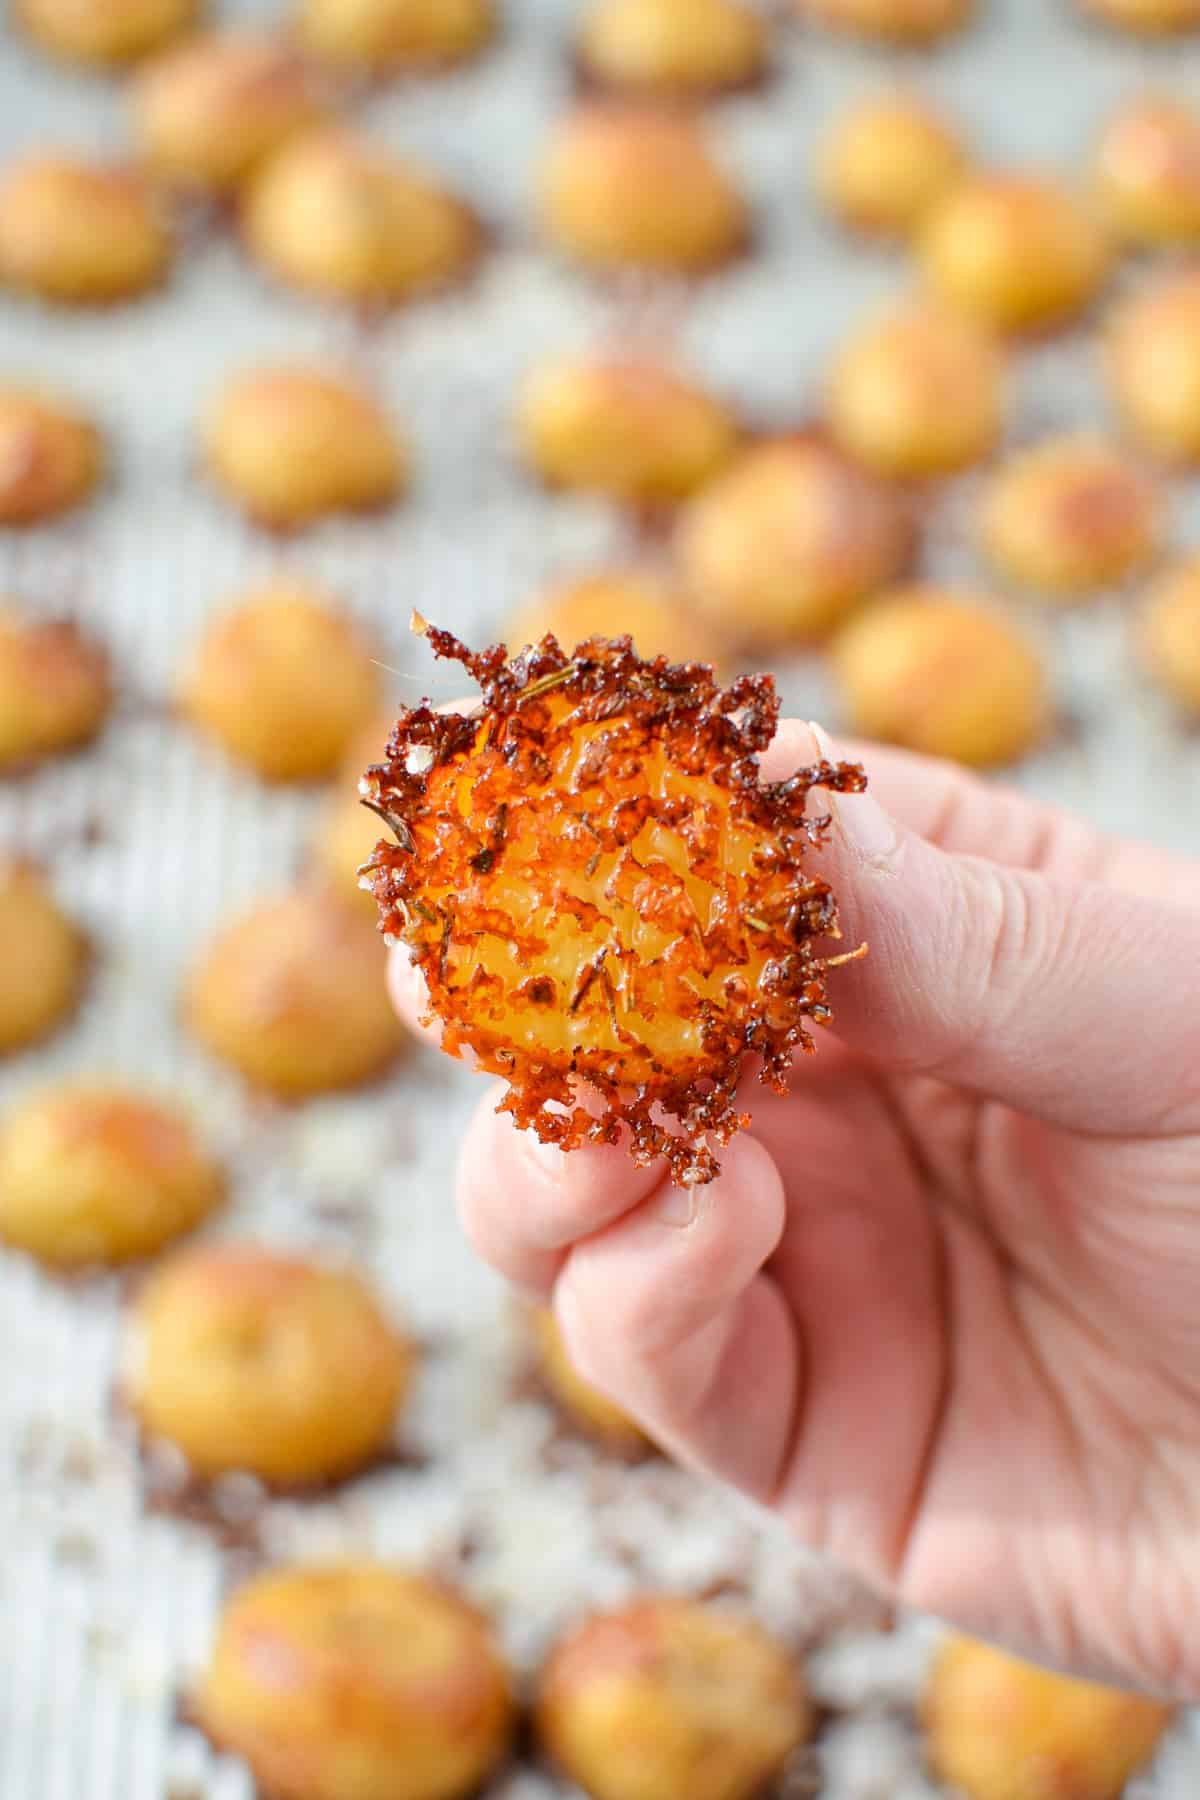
(953, 809)
(960, 812)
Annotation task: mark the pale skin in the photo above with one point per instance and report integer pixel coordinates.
(941, 1308)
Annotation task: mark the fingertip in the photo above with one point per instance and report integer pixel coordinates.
(518, 1195)
(660, 1269)
(672, 1312)
(793, 745)
(491, 1201)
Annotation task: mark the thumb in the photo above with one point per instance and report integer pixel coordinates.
(1069, 999)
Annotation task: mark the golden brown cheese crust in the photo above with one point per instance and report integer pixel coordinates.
(594, 882)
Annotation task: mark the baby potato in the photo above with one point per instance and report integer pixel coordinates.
(93, 1172)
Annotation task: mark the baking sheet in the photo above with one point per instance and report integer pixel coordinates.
(153, 839)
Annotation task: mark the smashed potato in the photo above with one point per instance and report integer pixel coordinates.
(1169, 633)
(937, 671)
(383, 37)
(632, 603)
(583, 1405)
(789, 540)
(627, 186)
(55, 687)
(1068, 517)
(885, 162)
(95, 1172)
(275, 1365)
(282, 652)
(43, 958)
(104, 33)
(1154, 365)
(670, 1699)
(357, 1681)
(1015, 252)
(682, 48)
(341, 217)
(208, 113)
(1147, 171)
(889, 21)
(51, 455)
(80, 232)
(594, 882)
(292, 443)
(623, 426)
(998, 1728)
(916, 393)
(291, 994)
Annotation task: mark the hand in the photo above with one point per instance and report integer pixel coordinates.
(941, 1309)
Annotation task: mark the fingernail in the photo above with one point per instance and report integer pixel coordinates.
(859, 819)
(675, 1206)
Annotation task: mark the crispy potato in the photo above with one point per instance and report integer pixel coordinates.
(645, 916)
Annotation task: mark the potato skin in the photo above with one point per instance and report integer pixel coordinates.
(101, 1174)
(678, 48)
(1017, 253)
(293, 995)
(891, 21)
(292, 444)
(1069, 517)
(1153, 361)
(338, 216)
(631, 429)
(623, 186)
(944, 673)
(43, 958)
(357, 1681)
(1001, 1729)
(584, 1406)
(668, 1699)
(51, 456)
(207, 114)
(282, 679)
(252, 1361)
(885, 163)
(788, 541)
(1168, 633)
(80, 233)
(383, 37)
(55, 687)
(104, 33)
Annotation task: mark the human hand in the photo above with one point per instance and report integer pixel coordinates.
(941, 1308)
